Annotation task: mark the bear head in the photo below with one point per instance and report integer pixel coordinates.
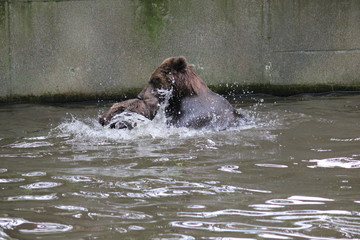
(174, 76)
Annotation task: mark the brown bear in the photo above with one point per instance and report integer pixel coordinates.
(147, 108)
(190, 102)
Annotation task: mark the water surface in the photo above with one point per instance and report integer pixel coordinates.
(290, 171)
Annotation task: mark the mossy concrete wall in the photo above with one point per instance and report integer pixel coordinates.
(109, 48)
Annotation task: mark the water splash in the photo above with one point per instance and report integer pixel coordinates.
(88, 129)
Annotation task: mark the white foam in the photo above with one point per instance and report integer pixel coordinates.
(90, 129)
(340, 162)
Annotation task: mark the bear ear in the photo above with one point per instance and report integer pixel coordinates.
(179, 64)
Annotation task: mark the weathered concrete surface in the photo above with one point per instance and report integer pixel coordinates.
(105, 46)
(4, 50)
(109, 48)
(72, 47)
(314, 41)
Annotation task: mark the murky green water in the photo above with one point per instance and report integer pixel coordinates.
(290, 172)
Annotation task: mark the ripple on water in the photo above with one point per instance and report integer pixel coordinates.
(168, 187)
(37, 138)
(338, 162)
(345, 139)
(196, 206)
(46, 227)
(30, 144)
(225, 212)
(230, 168)
(75, 179)
(276, 222)
(34, 174)
(11, 180)
(188, 237)
(46, 197)
(122, 214)
(268, 165)
(283, 224)
(33, 227)
(41, 185)
(88, 194)
(299, 200)
(71, 208)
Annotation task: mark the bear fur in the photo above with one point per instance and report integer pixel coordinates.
(147, 108)
(189, 101)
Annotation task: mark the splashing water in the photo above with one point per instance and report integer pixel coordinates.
(88, 129)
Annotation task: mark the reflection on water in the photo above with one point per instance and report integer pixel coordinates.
(289, 171)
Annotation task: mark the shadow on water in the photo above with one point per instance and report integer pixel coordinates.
(290, 171)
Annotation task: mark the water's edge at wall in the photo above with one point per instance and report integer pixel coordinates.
(230, 89)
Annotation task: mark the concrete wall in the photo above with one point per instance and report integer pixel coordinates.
(109, 47)
(314, 41)
(4, 51)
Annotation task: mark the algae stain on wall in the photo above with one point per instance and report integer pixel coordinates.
(151, 16)
(2, 12)
(26, 18)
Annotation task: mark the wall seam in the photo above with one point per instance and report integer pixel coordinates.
(8, 32)
(314, 51)
(266, 35)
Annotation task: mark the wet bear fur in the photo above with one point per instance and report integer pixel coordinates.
(147, 108)
(191, 103)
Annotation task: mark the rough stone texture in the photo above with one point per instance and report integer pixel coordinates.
(107, 47)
